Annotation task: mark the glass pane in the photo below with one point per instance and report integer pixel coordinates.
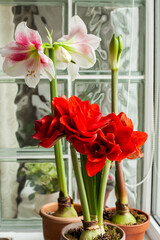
(104, 19)
(33, 184)
(21, 106)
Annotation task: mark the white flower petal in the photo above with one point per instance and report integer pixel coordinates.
(26, 36)
(84, 56)
(92, 40)
(13, 68)
(61, 65)
(47, 67)
(73, 71)
(80, 45)
(77, 29)
(29, 68)
(32, 80)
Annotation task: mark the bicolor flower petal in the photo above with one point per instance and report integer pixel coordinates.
(80, 45)
(25, 57)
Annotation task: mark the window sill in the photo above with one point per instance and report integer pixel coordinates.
(22, 235)
(38, 236)
(154, 229)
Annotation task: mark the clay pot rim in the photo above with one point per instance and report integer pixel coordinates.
(80, 224)
(43, 213)
(134, 226)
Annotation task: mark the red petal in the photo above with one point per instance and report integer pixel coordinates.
(125, 121)
(79, 146)
(49, 142)
(114, 153)
(76, 113)
(123, 136)
(60, 104)
(66, 121)
(94, 167)
(139, 138)
(136, 154)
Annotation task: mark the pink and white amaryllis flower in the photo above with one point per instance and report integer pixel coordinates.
(80, 45)
(25, 57)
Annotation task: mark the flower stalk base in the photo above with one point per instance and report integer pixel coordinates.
(65, 208)
(91, 230)
(122, 216)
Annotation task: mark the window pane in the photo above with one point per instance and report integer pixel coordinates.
(104, 19)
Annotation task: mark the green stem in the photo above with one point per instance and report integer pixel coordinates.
(53, 83)
(115, 91)
(90, 187)
(58, 146)
(80, 184)
(121, 193)
(102, 191)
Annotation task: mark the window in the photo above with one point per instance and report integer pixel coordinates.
(20, 106)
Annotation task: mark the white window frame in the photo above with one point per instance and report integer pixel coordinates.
(151, 74)
(152, 10)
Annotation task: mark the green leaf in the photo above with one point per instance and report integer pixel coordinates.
(31, 196)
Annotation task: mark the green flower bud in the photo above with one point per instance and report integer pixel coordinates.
(115, 50)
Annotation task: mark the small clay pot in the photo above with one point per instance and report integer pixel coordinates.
(135, 232)
(52, 225)
(77, 225)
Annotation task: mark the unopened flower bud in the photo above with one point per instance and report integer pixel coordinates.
(62, 55)
(115, 50)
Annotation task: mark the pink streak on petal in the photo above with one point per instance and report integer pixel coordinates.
(46, 67)
(13, 48)
(26, 36)
(19, 57)
(78, 28)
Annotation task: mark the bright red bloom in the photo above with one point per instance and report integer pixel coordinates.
(115, 141)
(79, 120)
(48, 131)
(111, 137)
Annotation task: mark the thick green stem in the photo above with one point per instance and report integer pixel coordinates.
(115, 91)
(58, 146)
(90, 187)
(53, 83)
(120, 183)
(102, 191)
(80, 184)
(122, 215)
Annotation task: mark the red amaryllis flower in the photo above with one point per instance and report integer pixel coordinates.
(79, 120)
(48, 131)
(115, 141)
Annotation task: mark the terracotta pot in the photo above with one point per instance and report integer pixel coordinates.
(76, 225)
(52, 225)
(135, 232)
